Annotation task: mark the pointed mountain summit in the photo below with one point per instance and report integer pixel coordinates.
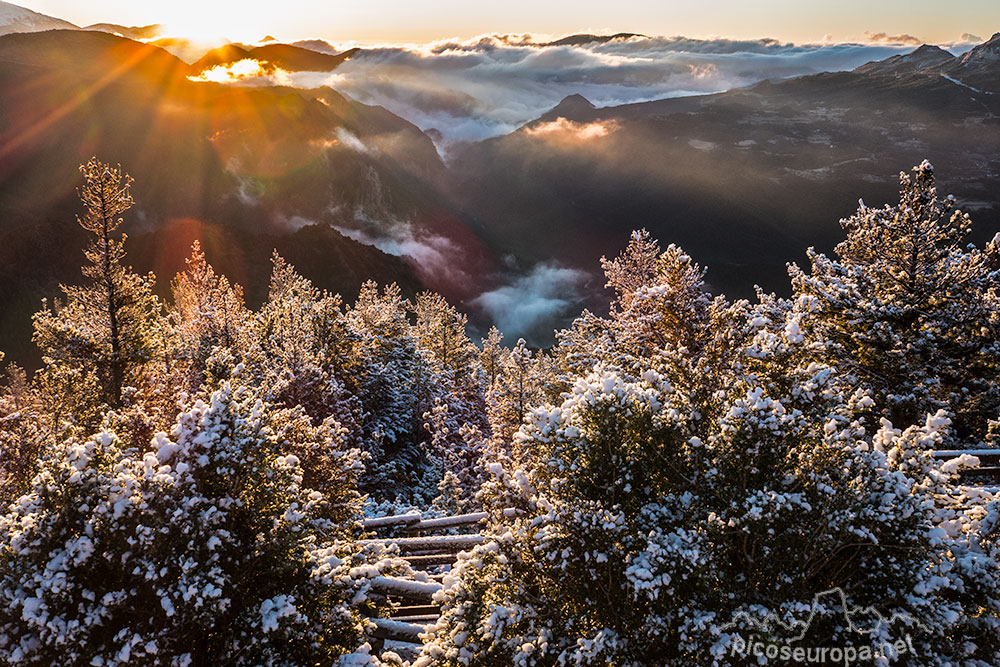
(223, 55)
(571, 106)
(987, 52)
(574, 107)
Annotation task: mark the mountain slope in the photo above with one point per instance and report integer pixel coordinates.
(979, 67)
(14, 18)
(132, 32)
(223, 55)
(924, 57)
(295, 59)
(582, 39)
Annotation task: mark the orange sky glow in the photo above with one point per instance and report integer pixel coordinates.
(396, 21)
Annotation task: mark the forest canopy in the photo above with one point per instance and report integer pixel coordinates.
(184, 479)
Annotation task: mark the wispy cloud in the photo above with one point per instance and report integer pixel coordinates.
(884, 38)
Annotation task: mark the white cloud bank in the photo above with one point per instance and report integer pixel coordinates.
(491, 85)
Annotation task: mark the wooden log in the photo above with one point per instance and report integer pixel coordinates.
(422, 590)
(954, 453)
(987, 471)
(414, 522)
(426, 619)
(449, 521)
(987, 457)
(431, 610)
(390, 521)
(396, 630)
(426, 560)
(435, 544)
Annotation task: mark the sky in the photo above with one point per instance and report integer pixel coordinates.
(420, 21)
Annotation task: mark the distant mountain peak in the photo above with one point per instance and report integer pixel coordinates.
(926, 49)
(222, 55)
(572, 104)
(987, 52)
(579, 40)
(923, 57)
(14, 18)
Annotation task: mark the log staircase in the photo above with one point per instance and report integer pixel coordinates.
(432, 555)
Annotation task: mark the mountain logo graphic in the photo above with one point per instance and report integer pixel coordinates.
(863, 620)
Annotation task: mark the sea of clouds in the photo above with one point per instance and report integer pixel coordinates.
(468, 90)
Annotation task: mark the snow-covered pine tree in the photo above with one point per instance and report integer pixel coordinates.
(305, 353)
(440, 329)
(662, 318)
(908, 311)
(22, 433)
(457, 385)
(394, 396)
(522, 380)
(102, 334)
(210, 323)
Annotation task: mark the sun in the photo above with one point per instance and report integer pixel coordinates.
(216, 23)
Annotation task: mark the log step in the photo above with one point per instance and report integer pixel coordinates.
(421, 561)
(434, 544)
(426, 610)
(397, 630)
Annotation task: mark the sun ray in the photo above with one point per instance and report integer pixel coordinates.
(79, 98)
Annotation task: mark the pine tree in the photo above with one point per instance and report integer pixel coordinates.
(440, 329)
(491, 356)
(707, 469)
(636, 267)
(209, 317)
(650, 523)
(22, 433)
(907, 310)
(109, 328)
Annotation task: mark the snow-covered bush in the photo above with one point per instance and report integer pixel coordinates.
(648, 530)
(205, 549)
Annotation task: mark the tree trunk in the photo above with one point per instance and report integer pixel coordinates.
(117, 371)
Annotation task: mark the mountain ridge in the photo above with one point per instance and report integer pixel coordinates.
(14, 18)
